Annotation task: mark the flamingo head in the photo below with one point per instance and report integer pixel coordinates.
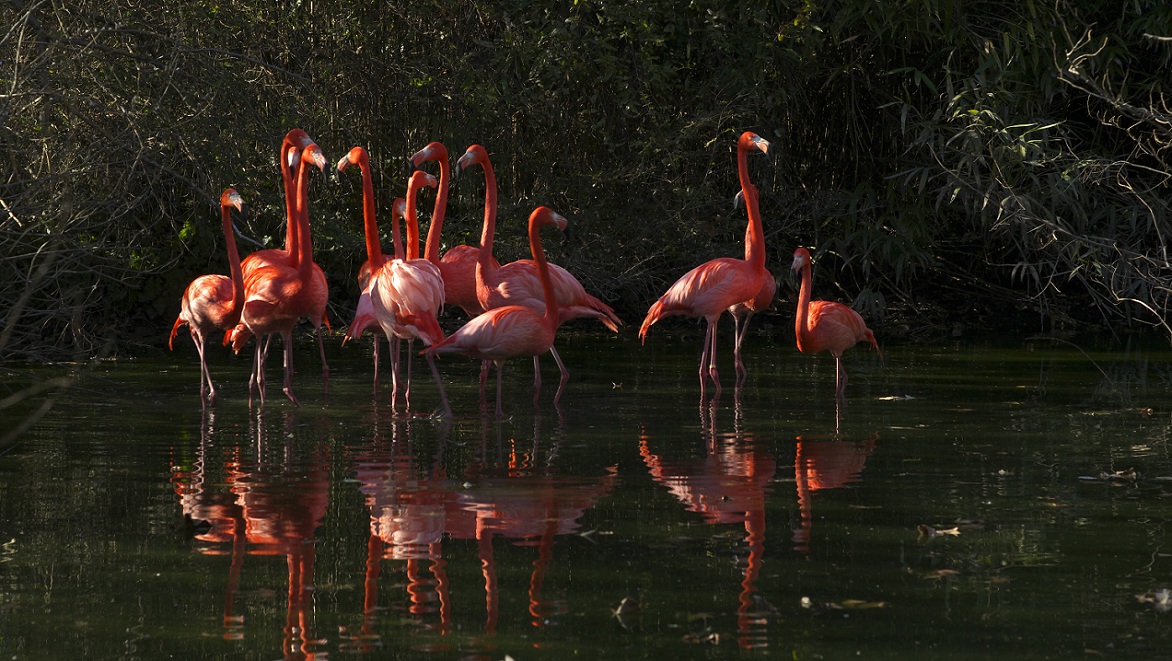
(750, 140)
(398, 208)
(801, 261)
(230, 198)
(475, 154)
(356, 156)
(434, 151)
(542, 216)
(313, 154)
(418, 180)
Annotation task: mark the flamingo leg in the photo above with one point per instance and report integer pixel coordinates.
(712, 373)
(325, 368)
(704, 358)
(565, 374)
(287, 338)
(740, 330)
(395, 342)
(205, 379)
(375, 338)
(839, 379)
(407, 388)
(536, 379)
(439, 384)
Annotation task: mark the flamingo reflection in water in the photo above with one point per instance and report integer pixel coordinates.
(728, 485)
(269, 508)
(515, 499)
(825, 464)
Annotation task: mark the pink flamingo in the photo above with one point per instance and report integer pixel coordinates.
(518, 283)
(277, 295)
(407, 294)
(296, 215)
(826, 325)
(742, 312)
(458, 265)
(364, 314)
(513, 330)
(716, 285)
(213, 302)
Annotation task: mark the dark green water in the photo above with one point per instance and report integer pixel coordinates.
(766, 523)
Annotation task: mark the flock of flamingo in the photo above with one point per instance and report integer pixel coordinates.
(515, 309)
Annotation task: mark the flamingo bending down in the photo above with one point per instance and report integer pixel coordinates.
(213, 302)
(458, 265)
(513, 330)
(826, 325)
(364, 313)
(518, 283)
(407, 295)
(296, 217)
(277, 295)
(716, 285)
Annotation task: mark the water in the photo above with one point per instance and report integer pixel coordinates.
(971, 500)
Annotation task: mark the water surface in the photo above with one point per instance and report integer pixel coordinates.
(972, 499)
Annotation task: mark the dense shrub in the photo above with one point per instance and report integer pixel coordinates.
(943, 157)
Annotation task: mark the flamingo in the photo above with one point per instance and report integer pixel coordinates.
(277, 295)
(458, 265)
(364, 314)
(296, 215)
(213, 302)
(716, 285)
(742, 312)
(518, 283)
(826, 325)
(407, 294)
(513, 330)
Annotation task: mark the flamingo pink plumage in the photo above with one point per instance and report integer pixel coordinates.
(364, 313)
(826, 325)
(715, 286)
(277, 295)
(518, 283)
(408, 294)
(513, 330)
(458, 265)
(296, 217)
(213, 302)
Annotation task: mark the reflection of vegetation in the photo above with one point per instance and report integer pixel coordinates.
(980, 156)
(44, 393)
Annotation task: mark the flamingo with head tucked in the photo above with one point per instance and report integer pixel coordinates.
(213, 302)
(513, 330)
(407, 295)
(826, 325)
(716, 285)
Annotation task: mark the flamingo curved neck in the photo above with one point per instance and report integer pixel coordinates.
(233, 261)
(489, 231)
(292, 229)
(412, 221)
(305, 256)
(803, 313)
(374, 250)
(551, 299)
(754, 233)
(441, 206)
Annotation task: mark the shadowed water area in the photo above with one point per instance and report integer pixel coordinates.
(970, 500)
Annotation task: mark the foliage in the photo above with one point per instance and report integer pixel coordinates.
(975, 156)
